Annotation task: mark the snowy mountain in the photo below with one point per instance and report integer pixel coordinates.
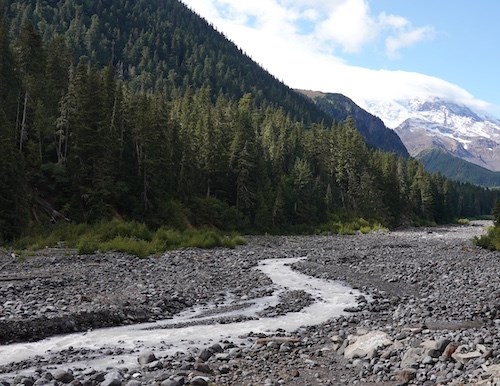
(434, 123)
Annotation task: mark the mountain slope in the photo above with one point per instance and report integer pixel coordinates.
(373, 130)
(439, 161)
(157, 46)
(142, 111)
(434, 123)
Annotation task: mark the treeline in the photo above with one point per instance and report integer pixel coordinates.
(79, 143)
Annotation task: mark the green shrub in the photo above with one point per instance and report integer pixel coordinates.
(166, 238)
(204, 239)
(232, 241)
(140, 248)
(347, 229)
(87, 246)
(491, 240)
(129, 237)
(463, 221)
(496, 213)
(119, 228)
(365, 229)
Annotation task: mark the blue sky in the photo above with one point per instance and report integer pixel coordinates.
(371, 49)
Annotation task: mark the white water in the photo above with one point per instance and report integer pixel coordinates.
(331, 299)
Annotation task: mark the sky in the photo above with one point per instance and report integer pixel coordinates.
(371, 49)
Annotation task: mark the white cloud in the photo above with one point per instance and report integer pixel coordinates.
(349, 25)
(407, 38)
(394, 21)
(310, 60)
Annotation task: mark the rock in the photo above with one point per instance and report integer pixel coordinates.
(146, 357)
(450, 349)
(442, 344)
(405, 376)
(216, 348)
(202, 368)
(463, 357)
(364, 344)
(133, 382)
(205, 354)
(427, 360)
(412, 357)
(27, 381)
(199, 381)
(171, 382)
(63, 376)
(175, 381)
(113, 378)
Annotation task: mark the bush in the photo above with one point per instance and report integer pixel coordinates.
(87, 246)
(166, 238)
(232, 241)
(110, 230)
(491, 240)
(140, 248)
(129, 237)
(496, 213)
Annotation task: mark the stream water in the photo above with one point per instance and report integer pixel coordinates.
(199, 326)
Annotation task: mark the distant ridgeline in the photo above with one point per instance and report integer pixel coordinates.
(141, 110)
(454, 168)
(373, 130)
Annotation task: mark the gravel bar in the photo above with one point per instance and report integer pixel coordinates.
(429, 313)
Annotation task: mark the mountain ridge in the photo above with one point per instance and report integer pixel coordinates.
(372, 128)
(457, 169)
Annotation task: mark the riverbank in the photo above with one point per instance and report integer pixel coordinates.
(421, 285)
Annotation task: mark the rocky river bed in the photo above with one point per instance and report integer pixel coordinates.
(426, 311)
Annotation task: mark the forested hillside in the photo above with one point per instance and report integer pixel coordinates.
(457, 169)
(140, 110)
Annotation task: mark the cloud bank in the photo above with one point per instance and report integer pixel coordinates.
(301, 42)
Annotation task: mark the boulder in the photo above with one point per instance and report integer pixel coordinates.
(63, 376)
(146, 357)
(462, 357)
(412, 357)
(366, 344)
(405, 376)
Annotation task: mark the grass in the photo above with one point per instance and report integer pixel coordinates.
(129, 237)
(463, 221)
(351, 227)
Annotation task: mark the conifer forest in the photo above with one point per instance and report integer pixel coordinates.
(143, 111)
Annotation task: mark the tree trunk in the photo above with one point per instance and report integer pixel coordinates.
(23, 122)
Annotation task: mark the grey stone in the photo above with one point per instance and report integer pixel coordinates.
(133, 382)
(113, 378)
(199, 381)
(63, 376)
(205, 354)
(364, 344)
(146, 357)
(411, 357)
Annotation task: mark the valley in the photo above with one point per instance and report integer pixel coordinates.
(219, 317)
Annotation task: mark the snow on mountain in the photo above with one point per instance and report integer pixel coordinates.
(426, 123)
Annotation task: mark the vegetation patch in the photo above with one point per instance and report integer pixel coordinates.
(492, 239)
(130, 237)
(463, 221)
(343, 226)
